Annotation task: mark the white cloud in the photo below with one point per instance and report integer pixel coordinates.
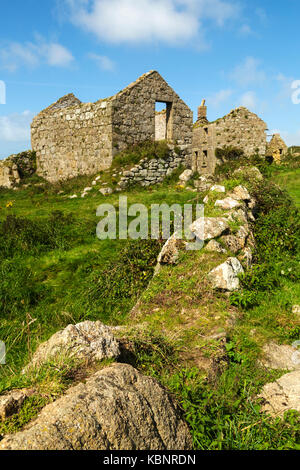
(57, 55)
(14, 55)
(219, 98)
(142, 21)
(249, 100)
(248, 72)
(246, 30)
(16, 127)
(105, 63)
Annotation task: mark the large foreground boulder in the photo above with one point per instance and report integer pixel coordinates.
(116, 409)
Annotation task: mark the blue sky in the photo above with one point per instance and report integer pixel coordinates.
(231, 52)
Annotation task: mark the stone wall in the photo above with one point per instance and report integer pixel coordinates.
(154, 171)
(240, 128)
(161, 126)
(9, 175)
(133, 115)
(16, 167)
(73, 138)
(277, 148)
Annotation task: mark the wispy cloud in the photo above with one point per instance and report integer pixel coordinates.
(16, 127)
(103, 62)
(14, 55)
(145, 21)
(248, 72)
(219, 98)
(249, 100)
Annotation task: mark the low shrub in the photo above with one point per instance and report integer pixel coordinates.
(148, 150)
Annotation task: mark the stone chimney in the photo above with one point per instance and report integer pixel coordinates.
(202, 112)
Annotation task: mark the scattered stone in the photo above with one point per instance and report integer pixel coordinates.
(186, 176)
(206, 200)
(282, 395)
(73, 197)
(91, 341)
(240, 193)
(228, 203)
(84, 194)
(116, 409)
(218, 189)
(202, 186)
(239, 215)
(252, 204)
(86, 190)
(105, 191)
(170, 251)
(11, 402)
(236, 243)
(214, 246)
(246, 258)
(207, 228)
(98, 178)
(94, 183)
(225, 276)
(296, 309)
(232, 243)
(277, 356)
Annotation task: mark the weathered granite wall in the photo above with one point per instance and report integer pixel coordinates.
(16, 167)
(240, 128)
(161, 125)
(149, 172)
(73, 138)
(9, 175)
(277, 148)
(133, 116)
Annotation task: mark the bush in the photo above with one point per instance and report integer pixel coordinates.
(277, 235)
(21, 234)
(19, 290)
(111, 288)
(148, 150)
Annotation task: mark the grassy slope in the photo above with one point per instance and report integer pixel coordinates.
(179, 314)
(290, 180)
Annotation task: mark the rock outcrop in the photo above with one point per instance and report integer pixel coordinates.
(91, 341)
(282, 395)
(225, 276)
(207, 228)
(116, 409)
(277, 356)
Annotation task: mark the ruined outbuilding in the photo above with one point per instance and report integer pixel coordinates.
(277, 148)
(73, 138)
(240, 128)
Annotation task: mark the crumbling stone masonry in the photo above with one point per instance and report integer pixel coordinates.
(277, 148)
(149, 172)
(14, 168)
(73, 138)
(240, 128)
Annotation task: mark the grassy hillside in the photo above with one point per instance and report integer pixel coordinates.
(203, 346)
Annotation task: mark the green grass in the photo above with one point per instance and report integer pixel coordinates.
(54, 271)
(290, 180)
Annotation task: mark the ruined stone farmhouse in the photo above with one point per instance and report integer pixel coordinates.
(240, 128)
(276, 148)
(73, 138)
